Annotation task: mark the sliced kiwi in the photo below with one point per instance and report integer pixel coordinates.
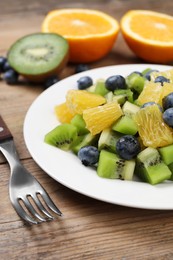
(112, 167)
(109, 96)
(62, 136)
(83, 140)
(167, 154)
(150, 167)
(100, 87)
(122, 95)
(135, 82)
(38, 56)
(80, 124)
(125, 125)
(171, 169)
(108, 139)
(130, 109)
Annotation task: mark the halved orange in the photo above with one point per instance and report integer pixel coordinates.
(149, 35)
(90, 33)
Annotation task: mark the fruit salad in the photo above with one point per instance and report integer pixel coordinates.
(121, 126)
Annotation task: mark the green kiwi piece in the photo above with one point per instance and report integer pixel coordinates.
(166, 153)
(83, 140)
(109, 96)
(100, 87)
(112, 167)
(125, 125)
(62, 136)
(135, 82)
(108, 139)
(122, 95)
(130, 109)
(79, 122)
(171, 169)
(38, 56)
(150, 167)
(144, 72)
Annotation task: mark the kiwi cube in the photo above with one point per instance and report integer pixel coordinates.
(121, 99)
(125, 125)
(109, 96)
(100, 87)
(83, 140)
(128, 170)
(167, 154)
(136, 82)
(171, 169)
(107, 165)
(91, 89)
(79, 122)
(126, 93)
(130, 109)
(111, 166)
(108, 139)
(62, 136)
(150, 167)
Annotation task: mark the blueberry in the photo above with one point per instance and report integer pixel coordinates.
(161, 79)
(167, 102)
(11, 77)
(147, 75)
(2, 62)
(115, 82)
(84, 82)
(6, 66)
(147, 104)
(81, 68)
(50, 81)
(88, 155)
(168, 116)
(127, 147)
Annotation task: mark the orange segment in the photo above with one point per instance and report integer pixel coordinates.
(79, 100)
(166, 89)
(151, 127)
(63, 113)
(167, 74)
(90, 33)
(149, 35)
(101, 117)
(151, 92)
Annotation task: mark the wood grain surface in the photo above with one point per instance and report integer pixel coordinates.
(89, 229)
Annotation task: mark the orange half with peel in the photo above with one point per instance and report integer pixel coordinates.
(91, 34)
(149, 35)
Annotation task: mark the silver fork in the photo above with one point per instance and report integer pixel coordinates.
(28, 197)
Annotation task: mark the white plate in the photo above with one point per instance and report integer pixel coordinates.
(66, 168)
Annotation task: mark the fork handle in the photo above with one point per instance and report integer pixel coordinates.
(7, 146)
(5, 133)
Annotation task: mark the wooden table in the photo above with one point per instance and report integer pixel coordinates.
(89, 229)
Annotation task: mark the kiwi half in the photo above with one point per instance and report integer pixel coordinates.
(38, 56)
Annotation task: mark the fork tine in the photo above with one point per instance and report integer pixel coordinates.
(41, 207)
(21, 212)
(32, 210)
(50, 203)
